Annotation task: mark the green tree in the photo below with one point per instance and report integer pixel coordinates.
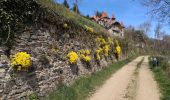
(65, 3)
(75, 8)
(98, 14)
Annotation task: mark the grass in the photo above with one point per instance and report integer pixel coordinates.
(163, 80)
(70, 15)
(83, 87)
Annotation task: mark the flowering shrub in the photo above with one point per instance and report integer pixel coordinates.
(73, 57)
(109, 41)
(98, 53)
(106, 50)
(118, 48)
(101, 41)
(89, 29)
(65, 25)
(85, 55)
(21, 60)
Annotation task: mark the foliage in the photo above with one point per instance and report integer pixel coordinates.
(13, 13)
(162, 77)
(76, 9)
(73, 57)
(65, 3)
(117, 47)
(106, 50)
(85, 55)
(98, 53)
(88, 29)
(21, 60)
(65, 25)
(81, 89)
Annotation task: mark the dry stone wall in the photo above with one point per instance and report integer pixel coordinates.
(48, 46)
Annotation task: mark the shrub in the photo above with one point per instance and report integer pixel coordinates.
(88, 29)
(85, 55)
(98, 53)
(21, 60)
(65, 26)
(106, 50)
(73, 57)
(117, 47)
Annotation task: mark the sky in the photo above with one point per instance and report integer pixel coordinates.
(130, 12)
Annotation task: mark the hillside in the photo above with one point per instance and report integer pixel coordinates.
(48, 33)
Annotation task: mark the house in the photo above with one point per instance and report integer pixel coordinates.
(114, 27)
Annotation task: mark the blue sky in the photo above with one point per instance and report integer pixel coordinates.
(131, 12)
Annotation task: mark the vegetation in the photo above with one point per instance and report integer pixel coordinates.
(83, 87)
(13, 14)
(162, 77)
(21, 61)
(159, 9)
(73, 57)
(65, 3)
(76, 18)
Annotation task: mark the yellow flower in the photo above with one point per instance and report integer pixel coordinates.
(65, 25)
(98, 53)
(87, 52)
(89, 29)
(85, 55)
(73, 57)
(118, 50)
(21, 60)
(106, 50)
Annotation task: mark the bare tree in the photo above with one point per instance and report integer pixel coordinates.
(159, 9)
(145, 27)
(158, 31)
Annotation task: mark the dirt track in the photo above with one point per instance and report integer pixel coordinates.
(129, 83)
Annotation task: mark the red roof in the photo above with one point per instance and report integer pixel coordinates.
(104, 15)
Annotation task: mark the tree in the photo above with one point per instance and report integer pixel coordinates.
(75, 8)
(98, 13)
(65, 3)
(145, 27)
(159, 9)
(158, 31)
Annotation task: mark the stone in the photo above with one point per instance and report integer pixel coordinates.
(2, 73)
(34, 37)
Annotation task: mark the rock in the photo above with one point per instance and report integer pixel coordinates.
(2, 73)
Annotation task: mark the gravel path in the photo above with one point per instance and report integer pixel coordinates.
(117, 87)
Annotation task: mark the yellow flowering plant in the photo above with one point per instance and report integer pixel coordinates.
(21, 60)
(85, 55)
(117, 47)
(65, 25)
(73, 57)
(98, 53)
(89, 29)
(101, 41)
(106, 50)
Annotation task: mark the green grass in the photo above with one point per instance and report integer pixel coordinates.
(70, 15)
(84, 86)
(163, 80)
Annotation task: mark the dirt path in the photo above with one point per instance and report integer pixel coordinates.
(147, 87)
(127, 84)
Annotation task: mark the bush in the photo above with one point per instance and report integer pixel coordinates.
(14, 13)
(21, 60)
